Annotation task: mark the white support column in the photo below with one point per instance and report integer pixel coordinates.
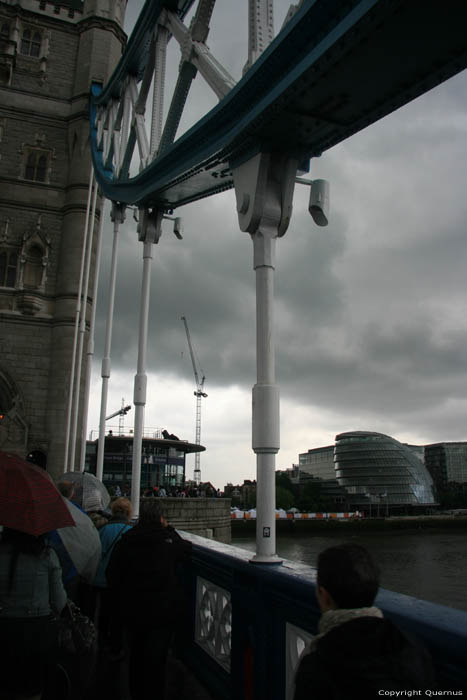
(118, 217)
(75, 336)
(264, 191)
(82, 330)
(90, 347)
(149, 233)
(266, 421)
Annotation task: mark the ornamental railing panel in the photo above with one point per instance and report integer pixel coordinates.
(213, 628)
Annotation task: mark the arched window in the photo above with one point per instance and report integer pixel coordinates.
(31, 43)
(33, 267)
(41, 168)
(8, 266)
(5, 31)
(30, 166)
(36, 165)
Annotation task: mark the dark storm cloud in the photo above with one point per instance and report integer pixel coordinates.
(208, 278)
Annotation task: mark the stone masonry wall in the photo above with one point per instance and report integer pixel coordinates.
(44, 106)
(207, 517)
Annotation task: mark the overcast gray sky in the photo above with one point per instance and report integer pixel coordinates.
(371, 330)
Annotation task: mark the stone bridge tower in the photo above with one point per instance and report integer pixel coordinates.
(50, 51)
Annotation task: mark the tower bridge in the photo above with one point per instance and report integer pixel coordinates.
(335, 68)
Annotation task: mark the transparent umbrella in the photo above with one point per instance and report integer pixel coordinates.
(89, 492)
(82, 543)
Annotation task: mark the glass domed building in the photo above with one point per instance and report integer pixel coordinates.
(376, 469)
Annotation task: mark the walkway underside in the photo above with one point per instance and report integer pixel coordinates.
(335, 68)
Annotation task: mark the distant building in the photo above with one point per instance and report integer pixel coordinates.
(162, 460)
(376, 468)
(318, 462)
(447, 463)
(242, 495)
(330, 492)
(366, 469)
(204, 489)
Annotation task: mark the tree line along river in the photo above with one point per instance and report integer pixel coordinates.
(425, 564)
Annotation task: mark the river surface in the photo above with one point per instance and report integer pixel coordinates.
(427, 565)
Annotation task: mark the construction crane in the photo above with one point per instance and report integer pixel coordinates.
(199, 393)
(121, 413)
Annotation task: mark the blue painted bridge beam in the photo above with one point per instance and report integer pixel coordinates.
(335, 68)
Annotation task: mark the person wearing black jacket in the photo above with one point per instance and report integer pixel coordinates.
(142, 572)
(357, 652)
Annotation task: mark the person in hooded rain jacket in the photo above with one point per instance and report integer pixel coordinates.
(31, 592)
(142, 572)
(357, 653)
(109, 622)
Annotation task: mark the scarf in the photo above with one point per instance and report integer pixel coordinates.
(333, 618)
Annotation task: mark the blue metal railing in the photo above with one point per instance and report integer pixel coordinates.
(250, 623)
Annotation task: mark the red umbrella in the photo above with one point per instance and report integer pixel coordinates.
(29, 500)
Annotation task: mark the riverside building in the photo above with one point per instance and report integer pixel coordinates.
(163, 460)
(447, 464)
(375, 471)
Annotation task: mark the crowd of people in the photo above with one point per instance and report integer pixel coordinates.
(356, 653)
(169, 492)
(136, 565)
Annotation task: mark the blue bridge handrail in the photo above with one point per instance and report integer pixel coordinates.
(251, 622)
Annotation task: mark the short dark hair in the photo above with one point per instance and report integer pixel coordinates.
(150, 512)
(349, 574)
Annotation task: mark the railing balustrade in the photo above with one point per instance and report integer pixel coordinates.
(251, 622)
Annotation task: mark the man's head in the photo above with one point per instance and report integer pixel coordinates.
(347, 577)
(150, 513)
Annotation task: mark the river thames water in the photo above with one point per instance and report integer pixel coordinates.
(427, 565)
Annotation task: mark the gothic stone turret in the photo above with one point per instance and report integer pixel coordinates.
(49, 54)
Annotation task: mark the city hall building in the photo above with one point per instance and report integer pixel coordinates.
(374, 470)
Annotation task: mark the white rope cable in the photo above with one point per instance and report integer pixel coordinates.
(75, 336)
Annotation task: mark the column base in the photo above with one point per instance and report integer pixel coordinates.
(266, 559)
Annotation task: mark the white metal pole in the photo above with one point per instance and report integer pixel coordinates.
(118, 216)
(266, 430)
(264, 192)
(149, 233)
(90, 347)
(82, 330)
(139, 397)
(75, 337)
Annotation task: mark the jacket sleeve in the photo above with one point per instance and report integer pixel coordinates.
(57, 593)
(311, 682)
(184, 547)
(115, 567)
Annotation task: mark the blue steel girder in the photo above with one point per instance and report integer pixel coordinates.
(335, 68)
